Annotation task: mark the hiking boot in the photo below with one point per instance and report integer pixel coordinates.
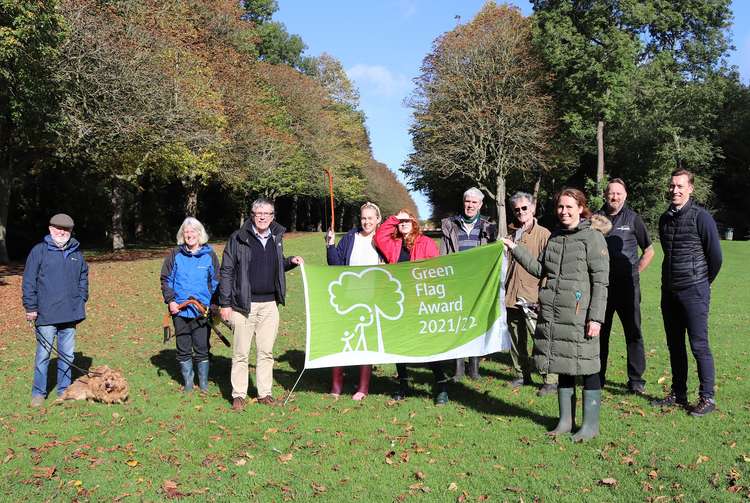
(402, 392)
(267, 400)
(671, 400)
(547, 389)
(238, 404)
(441, 398)
(704, 406)
(517, 382)
(37, 401)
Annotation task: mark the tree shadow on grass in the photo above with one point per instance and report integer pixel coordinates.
(79, 360)
(219, 371)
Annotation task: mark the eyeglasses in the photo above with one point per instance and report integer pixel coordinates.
(404, 221)
(263, 214)
(520, 209)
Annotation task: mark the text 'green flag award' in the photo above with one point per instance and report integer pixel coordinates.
(430, 310)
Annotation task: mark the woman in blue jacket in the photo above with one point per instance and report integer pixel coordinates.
(190, 271)
(355, 248)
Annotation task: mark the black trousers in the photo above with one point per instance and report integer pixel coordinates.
(438, 372)
(191, 335)
(687, 311)
(624, 298)
(590, 381)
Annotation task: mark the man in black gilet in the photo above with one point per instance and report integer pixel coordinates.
(692, 259)
(627, 235)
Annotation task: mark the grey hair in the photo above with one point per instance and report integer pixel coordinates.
(262, 201)
(474, 192)
(522, 195)
(195, 224)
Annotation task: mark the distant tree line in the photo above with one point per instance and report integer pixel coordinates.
(580, 92)
(130, 115)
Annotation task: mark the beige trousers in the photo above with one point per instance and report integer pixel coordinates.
(263, 324)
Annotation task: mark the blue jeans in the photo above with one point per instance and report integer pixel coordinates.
(65, 333)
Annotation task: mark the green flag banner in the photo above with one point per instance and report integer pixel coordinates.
(429, 310)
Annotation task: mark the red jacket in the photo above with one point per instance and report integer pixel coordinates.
(424, 247)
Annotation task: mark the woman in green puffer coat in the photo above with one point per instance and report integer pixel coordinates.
(572, 301)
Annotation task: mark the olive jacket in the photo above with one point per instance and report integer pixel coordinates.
(575, 264)
(518, 281)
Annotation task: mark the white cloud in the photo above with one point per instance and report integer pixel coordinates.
(380, 79)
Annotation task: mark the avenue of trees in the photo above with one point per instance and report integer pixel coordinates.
(579, 92)
(132, 114)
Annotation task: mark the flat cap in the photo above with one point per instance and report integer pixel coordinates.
(62, 220)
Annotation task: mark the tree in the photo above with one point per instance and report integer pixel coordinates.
(481, 110)
(30, 34)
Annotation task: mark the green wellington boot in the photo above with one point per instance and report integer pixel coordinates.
(203, 376)
(592, 401)
(566, 399)
(186, 368)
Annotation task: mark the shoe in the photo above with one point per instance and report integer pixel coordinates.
(637, 388)
(592, 402)
(517, 382)
(267, 400)
(238, 404)
(547, 389)
(358, 396)
(671, 400)
(37, 401)
(441, 398)
(566, 399)
(704, 406)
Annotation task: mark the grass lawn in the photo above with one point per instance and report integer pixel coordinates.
(487, 444)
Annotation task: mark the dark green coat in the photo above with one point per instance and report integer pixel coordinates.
(575, 264)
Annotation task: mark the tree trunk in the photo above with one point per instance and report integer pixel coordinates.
(138, 216)
(318, 221)
(293, 217)
(118, 211)
(6, 175)
(537, 186)
(502, 225)
(191, 201)
(599, 154)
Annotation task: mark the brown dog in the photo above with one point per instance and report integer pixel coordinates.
(101, 384)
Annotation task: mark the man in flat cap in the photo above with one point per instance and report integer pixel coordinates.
(55, 291)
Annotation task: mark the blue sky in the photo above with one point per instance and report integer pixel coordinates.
(382, 43)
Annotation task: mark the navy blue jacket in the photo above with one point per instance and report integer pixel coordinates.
(692, 252)
(56, 283)
(185, 275)
(342, 252)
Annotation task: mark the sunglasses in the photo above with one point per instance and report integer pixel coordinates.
(520, 209)
(404, 221)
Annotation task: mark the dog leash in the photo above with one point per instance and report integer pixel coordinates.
(51, 348)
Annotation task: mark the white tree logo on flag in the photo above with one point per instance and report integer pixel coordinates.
(372, 294)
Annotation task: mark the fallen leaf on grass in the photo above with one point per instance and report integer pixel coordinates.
(661, 380)
(318, 488)
(240, 462)
(389, 457)
(9, 455)
(609, 482)
(653, 474)
(746, 458)
(44, 472)
(419, 475)
(453, 487)
(285, 458)
(132, 463)
(171, 490)
(702, 459)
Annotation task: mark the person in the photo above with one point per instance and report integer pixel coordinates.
(625, 266)
(573, 301)
(522, 290)
(400, 239)
(462, 232)
(251, 284)
(692, 260)
(55, 291)
(190, 271)
(355, 248)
